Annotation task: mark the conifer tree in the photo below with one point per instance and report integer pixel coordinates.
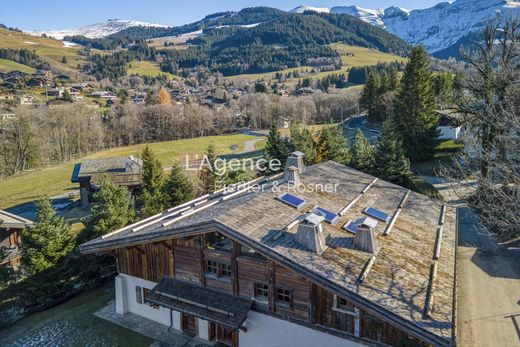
(301, 140)
(177, 188)
(333, 146)
(369, 96)
(362, 153)
(152, 199)
(111, 208)
(209, 178)
(276, 147)
(415, 113)
(163, 97)
(48, 241)
(391, 163)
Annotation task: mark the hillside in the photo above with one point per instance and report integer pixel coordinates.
(8, 65)
(50, 50)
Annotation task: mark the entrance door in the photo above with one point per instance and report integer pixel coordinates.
(225, 335)
(190, 325)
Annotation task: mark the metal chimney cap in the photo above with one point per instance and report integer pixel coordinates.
(313, 218)
(297, 154)
(293, 168)
(369, 222)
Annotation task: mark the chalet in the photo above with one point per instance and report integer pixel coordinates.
(125, 171)
(27, 99)
(139, 99)
(305, 91)
(449, 125)
(5, 96)
(103, 95)
(16, 74)
(36, 82)
(10, 228)
(269, 263)
(62, 77)
(83, 87)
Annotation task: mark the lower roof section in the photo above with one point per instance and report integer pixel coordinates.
(201, 302)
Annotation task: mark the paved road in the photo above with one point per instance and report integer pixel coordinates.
(354, 123)
(488, 284)
(249, 146)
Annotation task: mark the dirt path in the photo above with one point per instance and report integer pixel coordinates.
(249, 146)
(488, 284)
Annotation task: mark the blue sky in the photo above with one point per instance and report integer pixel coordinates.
(61, 14)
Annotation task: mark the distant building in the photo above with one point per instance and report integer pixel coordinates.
(11, 226)
(83, 87)
(27, 99)
(103, 95)
(36, 82)
(125, 171)
(449, 125)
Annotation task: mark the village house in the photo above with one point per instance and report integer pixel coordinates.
(83, 87)
(27, 99)
(104, 95)
(449, 125)
(124, 171)
(10, 228)
(6, 96)
(36, 82)
(280, 262)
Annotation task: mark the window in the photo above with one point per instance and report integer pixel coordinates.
(261, 291)
(138, 294)
(284, 296)
(342, 303)
(343, 306)
(145, 296)
(225, 270)
(211, 267)
(218, 242)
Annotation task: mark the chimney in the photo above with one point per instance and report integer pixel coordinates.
(365, 238)
(295, 159)
(310, 233)
(293, 176)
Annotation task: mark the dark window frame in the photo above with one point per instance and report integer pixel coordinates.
(285, 293)
(262, 288)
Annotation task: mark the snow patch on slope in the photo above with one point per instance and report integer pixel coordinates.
(95, 31)
(302, 9)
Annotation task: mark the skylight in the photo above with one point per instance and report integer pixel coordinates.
(330, 217)
(292, 200)
(377, 214)
(351, 227)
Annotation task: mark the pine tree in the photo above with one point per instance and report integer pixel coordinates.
(362, 153)
(177, 188)
(276, 147)
(370, 95)
(48, 241)
(111, 208)
(415, 113)
(209, 178)
(332, 145)
(391, 163)
(301, 140)
(152, 199)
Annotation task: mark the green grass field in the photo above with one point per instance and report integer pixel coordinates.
(51, 50)
(361, 57)
(56, 180)
(8, 65)
(146, 68)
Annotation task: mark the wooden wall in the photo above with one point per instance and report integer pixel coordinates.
(186, 258)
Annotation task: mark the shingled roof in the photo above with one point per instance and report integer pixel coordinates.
(9, 220)
(122, 170)
(409, 280)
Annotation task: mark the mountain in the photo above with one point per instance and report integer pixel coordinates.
(304, 8)
(98, 30)
(441, 28)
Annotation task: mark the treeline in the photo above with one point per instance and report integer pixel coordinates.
(75, 130)
(360, 74)
(24, 56)
(279, 42)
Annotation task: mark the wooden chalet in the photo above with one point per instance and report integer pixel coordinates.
(268, 263)
(11, 226)
(124, 171)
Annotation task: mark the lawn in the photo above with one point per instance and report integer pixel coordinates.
(146, 68)
(359, 56)
(8, 65)
(72, 324)
(56, 180)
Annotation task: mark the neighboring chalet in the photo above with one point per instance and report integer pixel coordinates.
(103, 95)
(366, 263)
(449, 125)
(125, 171)
(10, 228)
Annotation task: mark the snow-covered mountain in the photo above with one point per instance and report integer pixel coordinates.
(438, 27)
(98, 30)
(301, 9)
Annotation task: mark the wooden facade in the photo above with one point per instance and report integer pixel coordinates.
(232, 272)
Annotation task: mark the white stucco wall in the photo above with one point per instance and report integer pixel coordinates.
(160, 315)
(264, 330)
(449, 133)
